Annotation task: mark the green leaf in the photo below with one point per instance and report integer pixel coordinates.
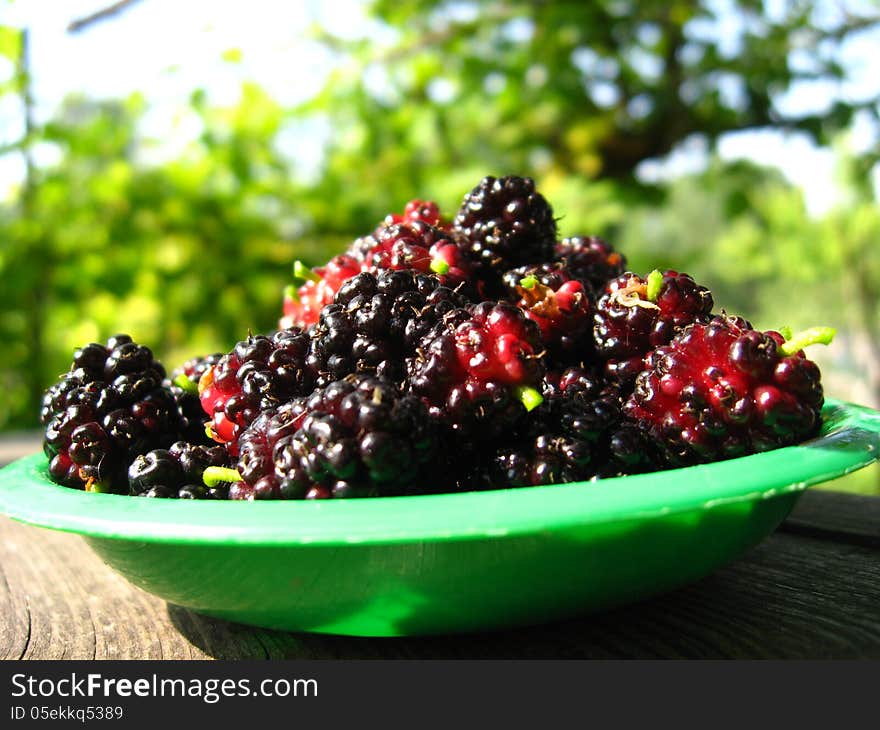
(10, 43)
(232, 55)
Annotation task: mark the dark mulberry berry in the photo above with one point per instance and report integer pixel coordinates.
(591, 261)
(579, 404)
(376, 322)
(635, 315)
(257, 456)
(184, 386)
(722, 390)
(545, 460)
(356, 437)
(177, 472)
(507, 223)
(478, 369)
(110, 407)
(260, 373)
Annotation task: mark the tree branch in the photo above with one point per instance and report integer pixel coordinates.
(75, 26)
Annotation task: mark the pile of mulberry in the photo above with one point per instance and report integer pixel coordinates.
(442, 353)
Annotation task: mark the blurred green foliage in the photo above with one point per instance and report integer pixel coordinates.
(191, 253)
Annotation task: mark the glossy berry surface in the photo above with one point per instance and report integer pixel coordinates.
(583, 405)
(469, 367)
(260, 373)
(561, 307)
(559, 444)
(507, 223)
(257, 457)
(415, 246)
(630, 320)
(722, 389)
(546, 459)
(177, 472)
(110, 407)
(303, 304)
(184, 386)
(357, 437)
(376, 321)
(590, 260)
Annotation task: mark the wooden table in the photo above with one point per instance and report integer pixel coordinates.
(811, 590)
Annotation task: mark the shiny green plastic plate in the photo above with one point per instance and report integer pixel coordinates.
(446, 563)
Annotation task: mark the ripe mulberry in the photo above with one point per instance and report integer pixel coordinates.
(722, 390)
(376, 322)
(109, 408)
(479, 369)
(635, 315)
(177, 472)
(507, 223)
(358, 437)
(260, 373)
(560, 306)
(590, 260)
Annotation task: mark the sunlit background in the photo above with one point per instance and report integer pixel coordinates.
(162, 163)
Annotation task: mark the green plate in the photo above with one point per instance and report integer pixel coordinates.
(400, 566)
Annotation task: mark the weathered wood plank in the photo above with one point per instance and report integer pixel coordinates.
(794, 596)
(15, 627)
(837, 516)
(74, 607)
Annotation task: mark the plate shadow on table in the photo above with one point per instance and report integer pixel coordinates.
(622, 633)
(769, 604)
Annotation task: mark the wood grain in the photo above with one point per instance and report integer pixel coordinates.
(809, 591)
(850, 518)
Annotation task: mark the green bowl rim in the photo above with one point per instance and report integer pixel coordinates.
(850, 440)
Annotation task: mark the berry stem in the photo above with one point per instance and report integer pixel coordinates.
(439, 266)
(303, 272)
(529, 282)
(529, 397)
(811, 336)
(291, 293)
(186, 385)
(94, 486)
(215, 475)
(655, 282)
(206, 380)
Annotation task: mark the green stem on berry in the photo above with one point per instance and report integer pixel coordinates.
(96, 487)
(215, 475)
(529, 282)
(186, 385)
(785, 331)
(811, 336)
(528, 396)
(303, 272)
(655, 282)
(439, 266)
(291, 293)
